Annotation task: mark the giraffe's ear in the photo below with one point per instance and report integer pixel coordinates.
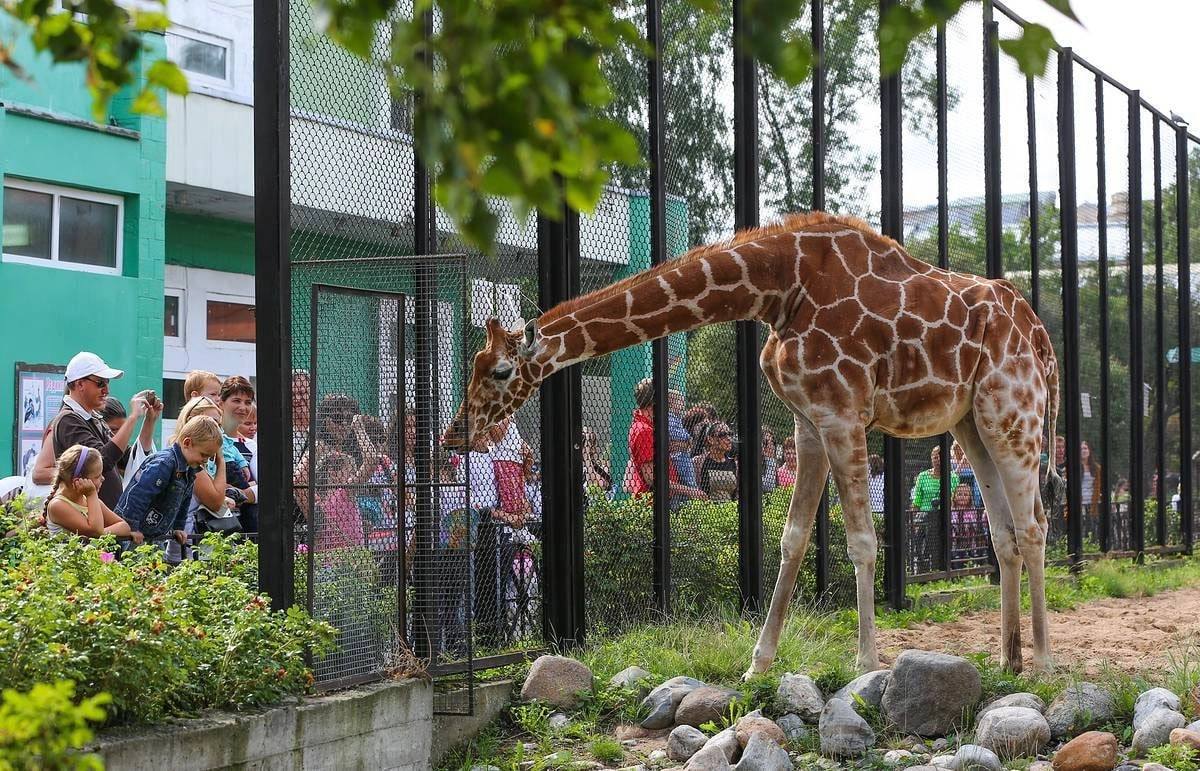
(530, 345)
(496, 336)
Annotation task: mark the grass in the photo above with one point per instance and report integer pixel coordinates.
(716, 649)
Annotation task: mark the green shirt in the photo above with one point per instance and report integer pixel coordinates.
(927, 490)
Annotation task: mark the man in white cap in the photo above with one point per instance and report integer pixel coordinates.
(78, 423)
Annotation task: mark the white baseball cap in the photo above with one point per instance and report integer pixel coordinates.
(86, 363)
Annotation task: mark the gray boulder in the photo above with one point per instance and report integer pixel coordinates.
(1080, 708)
(708, 759)
(661, 703)
(793, 727)
(762, 754)
(1030, 700)
(1151, 701)
(727, 742)
(704, 704)
(942, 761)
(843, 731)
(972, 757)
(1156, 729)
(557, 680)
(1013, 732)
(633, 679)
(896, 757)
(929, 693)
(1195, 727)
(868, 687)
(684, 742)
(801, 696)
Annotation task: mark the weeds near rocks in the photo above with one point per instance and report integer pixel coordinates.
(1176, 757)
(606, 749)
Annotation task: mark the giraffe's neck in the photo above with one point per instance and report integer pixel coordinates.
(735, 283)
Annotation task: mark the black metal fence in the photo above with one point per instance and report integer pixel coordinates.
(1070, 186)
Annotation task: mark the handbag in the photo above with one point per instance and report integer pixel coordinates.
(223, 521)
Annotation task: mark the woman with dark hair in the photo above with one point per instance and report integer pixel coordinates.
(334, 416)
(716, 469)
(1091, 481)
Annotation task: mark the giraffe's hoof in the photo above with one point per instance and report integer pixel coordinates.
(754, 671)
(866, 665)
(1012, 666)
(1043, 665)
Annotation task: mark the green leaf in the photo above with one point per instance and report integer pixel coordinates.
(147, 103)
(1063, 7)
(898, 27)
(1031, 50)
(150, 21)
(168, 75)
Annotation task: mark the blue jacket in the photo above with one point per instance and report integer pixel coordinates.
(157, 498)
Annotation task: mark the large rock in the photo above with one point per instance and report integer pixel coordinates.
(762, 754)
(1183, 737)
(972, 757)
(1156, 729)
(1013, 732)
(748, 727)
(684, 742)
(703, 705)
(793, 727)
(632, 679)
(1091, 751)
(1149, 702)
(557, 680)
(801, 696)
(1194, 727)
(928, 693)
(1030, 700)
(868, 687)
(661, 703)
(708, 759)
(725, 741)
(843, 731)
(1079, 708)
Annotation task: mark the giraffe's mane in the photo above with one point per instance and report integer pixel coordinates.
(790, 223)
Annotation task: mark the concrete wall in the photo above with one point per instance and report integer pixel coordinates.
(383, 725)
(451, 731)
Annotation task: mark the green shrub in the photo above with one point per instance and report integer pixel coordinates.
(161, 641)
(45, 728)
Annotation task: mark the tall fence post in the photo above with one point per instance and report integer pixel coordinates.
(658, 348)
(892, 221)
(745, 161)
(1035, 203)
(1183, 247)
(941, 108)
(1070, 288)
(273, 297)
(1105, 512)
(993, 222)
(561, 421)
(1160, 348)
(818, 204)
(1137, 481)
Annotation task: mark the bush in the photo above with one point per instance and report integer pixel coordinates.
(44, 728)
(161, 641)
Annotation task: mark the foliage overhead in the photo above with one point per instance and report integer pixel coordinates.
(511, 92)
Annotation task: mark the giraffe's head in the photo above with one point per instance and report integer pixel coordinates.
(503, 377)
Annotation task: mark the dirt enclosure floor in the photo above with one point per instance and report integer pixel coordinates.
(1133, 634)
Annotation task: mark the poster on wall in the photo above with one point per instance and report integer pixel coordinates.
(39, 395)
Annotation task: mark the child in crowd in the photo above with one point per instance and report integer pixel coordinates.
(209, 488)
(74, 503)
(155, 503)
(342, 527)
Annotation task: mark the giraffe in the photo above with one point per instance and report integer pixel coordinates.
(861, 336)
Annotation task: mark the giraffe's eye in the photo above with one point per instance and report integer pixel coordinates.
(503, 372)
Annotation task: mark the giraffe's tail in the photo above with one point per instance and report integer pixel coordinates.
(1049, 361)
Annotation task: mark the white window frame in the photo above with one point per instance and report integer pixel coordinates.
(57, 192)
(236, 299)
(196, 36)
(179, 340)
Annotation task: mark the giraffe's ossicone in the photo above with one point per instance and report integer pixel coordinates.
(861, 336)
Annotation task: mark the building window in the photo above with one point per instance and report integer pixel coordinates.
(77, 229)
(200, 55)
(172, 324)
(230, 322)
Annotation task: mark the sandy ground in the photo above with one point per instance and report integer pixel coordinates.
(1133, 635)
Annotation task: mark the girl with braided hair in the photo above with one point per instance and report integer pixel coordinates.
(74, 503)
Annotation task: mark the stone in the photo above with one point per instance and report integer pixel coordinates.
(843, 731)
(1151, 701)
(660, 704)
(940, 744)
(726, 741)
(763, 754)
(1156, 729)
(868, 687)
(638, 767)
(558, 721)
(793, 727)
(703, 705)
(708, 759)
(747, 727)
(657, 756)
(1013, 732)
(1128, 767)
(1030, 700)
(1183, 737)
(1091, 751)
(972, 757)
(1080, 708)
(942, 761)
(1040, 765)
(484, 768)
(928, 693)
(896, 757)
(925, 768)
(632, 679)
(684, 742)
(1155, 767)
(629, 742)
(801, 696)
(557, 680)
(1194, 727)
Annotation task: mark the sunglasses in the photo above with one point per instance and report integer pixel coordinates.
(99, 382)
(721, 434)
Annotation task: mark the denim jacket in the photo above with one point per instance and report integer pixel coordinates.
(157, 498)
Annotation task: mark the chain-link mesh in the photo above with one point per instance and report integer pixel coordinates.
(1151, 343)
(1192, 184)
(1170, 350)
